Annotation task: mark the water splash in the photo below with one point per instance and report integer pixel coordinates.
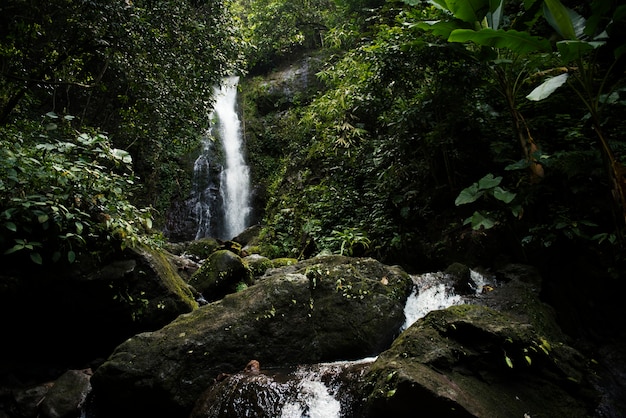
(318, 390)
(434, 291)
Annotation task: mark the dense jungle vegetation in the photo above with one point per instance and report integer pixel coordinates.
(433, 132)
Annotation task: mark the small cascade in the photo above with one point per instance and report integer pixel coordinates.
(320, 390)
(323, 390)
(205, 196)
(431, 293)
(221, 181)
(435, 291)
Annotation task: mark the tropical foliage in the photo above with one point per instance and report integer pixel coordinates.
(126, 81)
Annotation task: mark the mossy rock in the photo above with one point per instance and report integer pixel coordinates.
(282, 262)
(258, 264)
(222, 273)
(202, 248)
(473, 361)
(319, 310)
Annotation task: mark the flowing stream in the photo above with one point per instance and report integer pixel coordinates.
(325, 390)
(221, 181)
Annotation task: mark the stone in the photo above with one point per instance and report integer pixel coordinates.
(220, 274)
(323, 309)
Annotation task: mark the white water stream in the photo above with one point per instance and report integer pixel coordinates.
(316, 399)
(226, 200)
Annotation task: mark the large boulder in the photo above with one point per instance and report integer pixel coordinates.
(501, 357)
(54, 318)
(223, 272)
(322, 309)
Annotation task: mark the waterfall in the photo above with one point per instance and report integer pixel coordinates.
(222, 206)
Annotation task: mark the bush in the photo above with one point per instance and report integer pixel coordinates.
(63, 192)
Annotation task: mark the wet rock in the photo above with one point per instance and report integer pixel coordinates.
(327, 309)
(67, 396)
(502, 356)
(222, 273)
(258, 264)
(461, 276)
(83, 312)
(324, 388)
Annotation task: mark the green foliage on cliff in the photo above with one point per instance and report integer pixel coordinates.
(410, 114)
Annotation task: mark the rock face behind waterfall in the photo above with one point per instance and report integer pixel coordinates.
(322, 309)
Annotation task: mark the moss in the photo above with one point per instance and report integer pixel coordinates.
(202, 248)
(169, 277)
(282, 262)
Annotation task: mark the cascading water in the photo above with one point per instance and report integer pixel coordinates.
(222, 200)
(330, 390)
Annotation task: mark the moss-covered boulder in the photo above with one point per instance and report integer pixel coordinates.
(83, 312)
(258, 264)
(505, 359)
(197, 249)
(222, 273)
(283, 261)
(322, 309)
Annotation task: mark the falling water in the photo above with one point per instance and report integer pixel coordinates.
(223, 207)
(434, 291)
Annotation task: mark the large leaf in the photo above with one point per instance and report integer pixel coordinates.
(519, 42)
(468, 195)
(573, 50)
(441, 28)
(561, 18)
(496, 11)
(469, 10)
(547, 87)
(489, 182)
(503, 195)
(478, 221)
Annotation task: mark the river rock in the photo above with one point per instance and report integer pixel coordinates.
(223, 272)
(67, 396)
(503, 356)
(258, 264)
(78, 314)
(319, 390)
(324, 309)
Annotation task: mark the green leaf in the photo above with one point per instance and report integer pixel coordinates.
(15, 248)
(558, 16)
(519, 165)
(42, 218)
(548, 87)
(122, 155)
(468, 195)
(574, 50)
(528, 360)
(496, 11)
(503, 195)
(440, 28)
(478, 221)
(10, 226)
(71, 256)
(469, 10)
(508, 361)
(519, 42)
(489, 182)
(36, 258)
